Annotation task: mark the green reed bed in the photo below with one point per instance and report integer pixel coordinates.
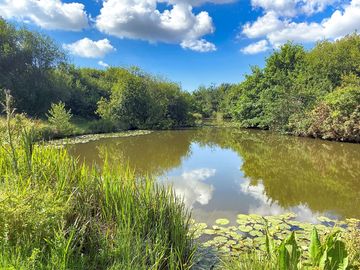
(58, 214)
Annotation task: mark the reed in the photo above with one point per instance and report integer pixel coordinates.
(56, 213)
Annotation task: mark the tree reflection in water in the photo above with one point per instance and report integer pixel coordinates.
(277, 173)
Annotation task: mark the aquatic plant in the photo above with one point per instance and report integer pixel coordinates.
(56, 213)
(282, 242)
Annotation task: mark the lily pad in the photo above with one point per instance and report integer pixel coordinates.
(255, 233)
(222, 221)
(218, 240)
(209, 231)
(245, 229)
(324, 219)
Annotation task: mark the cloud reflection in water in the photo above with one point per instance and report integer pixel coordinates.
(265, 206)
(191, 188)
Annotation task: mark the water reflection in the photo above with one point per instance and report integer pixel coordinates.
(230, 171)
(266, 206)
(191, 188)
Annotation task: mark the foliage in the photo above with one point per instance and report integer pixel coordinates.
(207, 101)
(60, 118)
(27, 63)
(312, 93)
(139, 101)
(58, 214)
(338, 116)
(35, 69)
(331, 254)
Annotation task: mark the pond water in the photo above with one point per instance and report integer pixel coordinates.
(221, 172)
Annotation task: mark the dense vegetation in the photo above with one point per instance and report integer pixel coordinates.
(58, 214)
(314, 93)
(37, 73)
(309, 93)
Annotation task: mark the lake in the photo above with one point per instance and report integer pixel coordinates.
(221, 172)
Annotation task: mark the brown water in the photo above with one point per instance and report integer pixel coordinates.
(224, 172)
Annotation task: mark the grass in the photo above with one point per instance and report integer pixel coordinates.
(58, 214)
(43, 130)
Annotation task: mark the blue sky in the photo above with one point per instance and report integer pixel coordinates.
(193, 42)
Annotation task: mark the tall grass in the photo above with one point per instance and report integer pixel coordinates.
(58, 214)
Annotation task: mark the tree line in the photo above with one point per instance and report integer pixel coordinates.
(309, 93)
(38, 74)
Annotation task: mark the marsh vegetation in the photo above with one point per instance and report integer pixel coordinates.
(129, 198)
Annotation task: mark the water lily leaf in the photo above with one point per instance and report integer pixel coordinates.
(200, 226)
(255, 233)
(258, 226)
(222, 221)
(242, 217)
(324, 219)
(230, 243)
(220, 240)
(245, 229)
(209, 231)
(242, 221)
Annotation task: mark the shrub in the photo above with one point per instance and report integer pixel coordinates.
(58, 214)
(338, 116)
(102, 126)
(60, 118)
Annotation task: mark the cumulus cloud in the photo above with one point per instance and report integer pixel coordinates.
(198, 45)
(140, 19)
(191, 188)
(291, 8)
(200, 2)
(314, 6)
(263, 25)
(282, 7)
(89, 48)
(264, 206)
(277, 30)
(257, 47)
(48, 14)
(103, 64)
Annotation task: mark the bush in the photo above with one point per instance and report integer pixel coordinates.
(102, 126)
(58, 214)
(59, 118)
(338, 117)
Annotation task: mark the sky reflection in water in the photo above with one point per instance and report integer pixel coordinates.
(224, 172)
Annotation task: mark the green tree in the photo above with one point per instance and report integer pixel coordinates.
(27, 62)
(60, 118)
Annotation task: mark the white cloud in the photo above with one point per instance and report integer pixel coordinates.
(277, 31)
(198, 45)
(282, 7)
(257, 47)
(298, 32)
(314, 6)
(140, 19)
(90, 49)
(103, 64)
(265, 206)
(191, 188)
(263, 25)
(200, 2)
(291, 8)
(48, 14)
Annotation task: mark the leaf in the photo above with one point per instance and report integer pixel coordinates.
(315, 248)
(337, 256)
(222, 221)
(269, 244)
(289, 254)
